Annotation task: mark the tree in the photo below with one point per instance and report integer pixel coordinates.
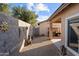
(24, 14)
(4, 8)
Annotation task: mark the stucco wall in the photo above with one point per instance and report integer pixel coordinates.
(43, 28)
(70, 10)
(13, 38)
(24, 26)
(9, 39)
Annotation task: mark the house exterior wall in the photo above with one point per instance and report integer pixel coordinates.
(24, 26)
(43, 28)
(25, 30)
(70, 10)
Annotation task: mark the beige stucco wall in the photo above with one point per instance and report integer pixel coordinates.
(25, 25)
(25, 30)
(70, 10)
(43, 28)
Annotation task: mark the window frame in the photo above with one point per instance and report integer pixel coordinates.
(66, 32)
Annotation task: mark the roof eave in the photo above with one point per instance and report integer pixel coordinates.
(43, 21)
(64, 5)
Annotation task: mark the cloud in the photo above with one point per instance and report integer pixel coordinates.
(42, 18)
(41, 7)
(37, 7)
(30, 5)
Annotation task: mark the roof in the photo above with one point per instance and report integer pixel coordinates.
(43, 21)
(64, 5)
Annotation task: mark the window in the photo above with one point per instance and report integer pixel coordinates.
(72, 34)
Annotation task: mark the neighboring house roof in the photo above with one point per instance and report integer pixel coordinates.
(64, 5)
(43, 21)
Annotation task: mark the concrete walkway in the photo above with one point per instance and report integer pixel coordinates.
(40, 46)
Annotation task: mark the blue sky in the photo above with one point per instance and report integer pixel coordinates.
(43, 10)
